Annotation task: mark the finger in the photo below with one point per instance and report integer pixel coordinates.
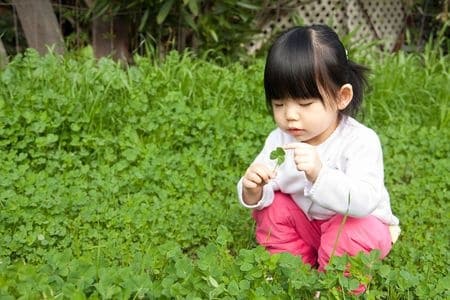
(291, 146)
(297, 147)
(301, 156)
(261, 175)
(264, 172)
(303, 163)
(254, 177)
(249, 184)
(264, 176)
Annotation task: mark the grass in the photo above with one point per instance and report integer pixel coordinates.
(120, 183)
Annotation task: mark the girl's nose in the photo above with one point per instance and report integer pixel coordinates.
(291, 113)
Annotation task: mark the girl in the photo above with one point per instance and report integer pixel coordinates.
(333, 164)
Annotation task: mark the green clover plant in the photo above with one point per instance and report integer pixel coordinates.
(278, 155)
(341, 227)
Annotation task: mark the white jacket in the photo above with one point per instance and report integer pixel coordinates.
(352, 163)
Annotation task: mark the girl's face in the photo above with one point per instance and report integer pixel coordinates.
(307, 120)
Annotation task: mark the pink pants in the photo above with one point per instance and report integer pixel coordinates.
(283, 227)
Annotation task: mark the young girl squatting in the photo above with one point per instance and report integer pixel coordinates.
(313, 90)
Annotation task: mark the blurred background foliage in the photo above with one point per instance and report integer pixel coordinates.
(217, 30)
(156, 26)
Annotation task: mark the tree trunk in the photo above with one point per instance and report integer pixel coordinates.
(40, 25)
(3, 55)
(110, 36)
(122, 41)
(102, 36)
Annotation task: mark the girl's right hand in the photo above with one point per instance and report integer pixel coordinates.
(256, 176)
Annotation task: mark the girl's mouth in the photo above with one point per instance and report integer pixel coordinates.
(296, 131)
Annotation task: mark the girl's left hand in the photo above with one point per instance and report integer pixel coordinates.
(306, 159)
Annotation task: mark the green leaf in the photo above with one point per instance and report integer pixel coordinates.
(214, 35)
(246, 267)
(164, 11)
(47, 140)
(233, 288)
(143, 20)
(278, 154)
(189, 19)
(131, 154)
(193, 7)
(213, 282)
(248, 5)
(183, 267)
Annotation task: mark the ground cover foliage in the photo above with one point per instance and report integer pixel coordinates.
(121, 183)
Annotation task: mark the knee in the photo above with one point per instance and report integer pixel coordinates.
(331, 244)
(357, 235)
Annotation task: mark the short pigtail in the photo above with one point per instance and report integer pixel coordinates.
(357, 77)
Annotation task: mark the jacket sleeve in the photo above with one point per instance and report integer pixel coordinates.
(358, 186)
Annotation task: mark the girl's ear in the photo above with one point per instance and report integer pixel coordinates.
(345, 96)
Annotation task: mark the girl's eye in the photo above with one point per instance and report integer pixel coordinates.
(277, 104)
(305, 103)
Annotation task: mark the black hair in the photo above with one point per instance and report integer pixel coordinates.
(310, 62)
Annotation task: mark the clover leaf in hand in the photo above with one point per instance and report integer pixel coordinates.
(278, 155)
